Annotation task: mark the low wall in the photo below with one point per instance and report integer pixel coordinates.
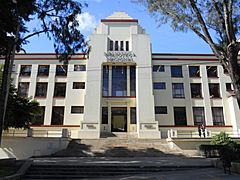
(187, 143)
(25, 147)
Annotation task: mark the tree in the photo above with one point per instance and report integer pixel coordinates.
(216, 22)
(57, 19)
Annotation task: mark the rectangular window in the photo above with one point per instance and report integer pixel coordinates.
(39, 117)
(133, 115)
(176, 71)
(119, 81)
(161, 110)
(116, 45)
(23, 89)
(212, 71)
(111, 45)
(198, 115)
(104, 115)
(180, 117)
(196, 90)
(178, 90)
(79, 67)
(214, 91)
(57, 115)
(60, 90)
(159, 85)
(229, 87)
(218, 118)
(158, 68)
(78, 85)
(25, 70)
(105, 80)
(77, 109)
(61, 70)
(133, 81)
(43, 70)
(41, 89)
(121, 46)
(127, 46)
(194, 71)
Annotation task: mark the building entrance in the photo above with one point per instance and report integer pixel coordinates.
(119, 119)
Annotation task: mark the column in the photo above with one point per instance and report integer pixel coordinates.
(110, 81)
(128, 81)
(128, 117)
(109, 117)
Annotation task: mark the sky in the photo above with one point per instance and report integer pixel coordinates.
(163, 38)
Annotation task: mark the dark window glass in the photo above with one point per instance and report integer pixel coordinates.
(39, 117)
(41, 90)
(119, 81)
(111, 45)
(180, 116)
(57, 115)
(218, 118)
(178, 90)
(132, 81)
(133, 115)
(198, 115)
(26, 70)
(105, 80)
(212, 71)
(61, 70)
(229, 87)
(104, 115)
(176, 71)
(77, 109)
(79, 67)
(194, 71)
(23, 89)
(116, 45)
(161, 110)
(78, 85)
(121, 45)
(158, 68)
(159, 85)
(60, 90)
(127, 45)
(196, 90)
(43, 70)
(214, 91)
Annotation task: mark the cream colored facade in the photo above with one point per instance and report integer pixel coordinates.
(133, 62)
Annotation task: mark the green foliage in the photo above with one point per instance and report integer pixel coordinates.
(221, 139)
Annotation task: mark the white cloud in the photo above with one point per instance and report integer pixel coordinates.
(87, 22)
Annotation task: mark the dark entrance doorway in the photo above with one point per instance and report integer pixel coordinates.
(119, 119)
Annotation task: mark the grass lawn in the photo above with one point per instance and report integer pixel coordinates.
(7, 171)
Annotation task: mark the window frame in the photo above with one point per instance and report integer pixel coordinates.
(161, 110)
(177, 116)
(211, 94)
(27, 73)
(176, 71)
(211, 73)
(197, 115)
(159, 85)
(196, 74)
(43, 73)
(77, 109)
(61, 73)
(195, 95)
(222, 120)
(158, 68)
(179, 95)
(55, 91)
(79, 68)
(79, 85)
(37, 94)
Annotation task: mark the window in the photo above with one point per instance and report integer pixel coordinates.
(77, 109)
(214, 90)
(133, 115)
(61, 70)
(159, 85)
(41, 89)
(158, 68)
(178, 90)
(57, 115)
(25, 70)
(176, 71)
(43, 70)
(111, 46)
(39, 118)
(218, 118)
(116, 45)
(121, 46)
(161, 110)
(194, 71)
(119, 81)
(23, 88)
(60, 90)
(229, 87)
(104, 115)
(78, 85)
(127, 46)
(79, 67)
(212, 71)
(132, 81)
(196, 90)
(105, 80)
(198, 115)
(180, 118)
